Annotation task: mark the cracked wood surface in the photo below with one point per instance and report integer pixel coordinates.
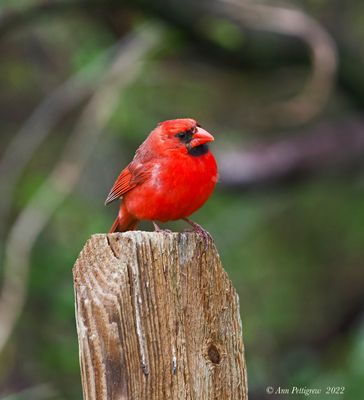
(157, 318)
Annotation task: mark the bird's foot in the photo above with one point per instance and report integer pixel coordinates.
(204, 235)
(157, 228)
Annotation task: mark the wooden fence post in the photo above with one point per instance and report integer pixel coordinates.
(157, 318)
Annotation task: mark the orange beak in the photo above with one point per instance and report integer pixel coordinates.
(201, 137)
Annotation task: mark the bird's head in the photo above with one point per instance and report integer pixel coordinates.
(185, 133)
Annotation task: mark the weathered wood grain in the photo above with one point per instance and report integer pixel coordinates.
(157, 318)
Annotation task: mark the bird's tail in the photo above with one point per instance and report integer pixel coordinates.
(124, 221)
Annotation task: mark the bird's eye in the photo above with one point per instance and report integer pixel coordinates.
(185, 136)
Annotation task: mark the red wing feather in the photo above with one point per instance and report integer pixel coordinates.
(129, 177)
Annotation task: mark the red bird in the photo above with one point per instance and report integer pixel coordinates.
(171, 176)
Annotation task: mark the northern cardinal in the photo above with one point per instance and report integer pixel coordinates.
(172, 175)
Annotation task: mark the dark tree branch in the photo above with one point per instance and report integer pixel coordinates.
(328, 146)
(179, 17)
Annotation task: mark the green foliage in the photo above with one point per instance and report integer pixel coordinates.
(223, 32)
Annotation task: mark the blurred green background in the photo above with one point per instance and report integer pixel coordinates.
(282, 90)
